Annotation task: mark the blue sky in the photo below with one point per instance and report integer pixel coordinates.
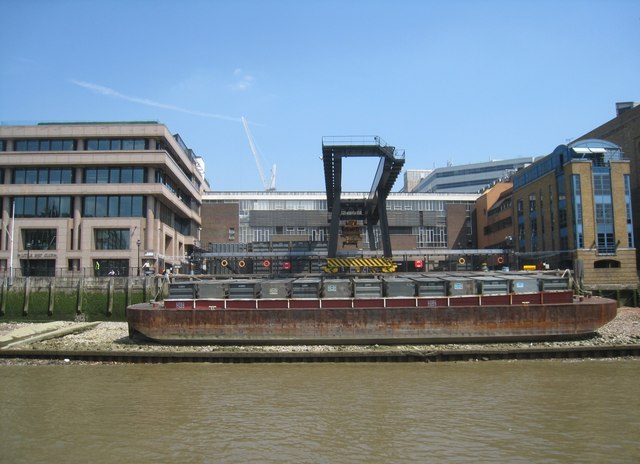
(448, 81)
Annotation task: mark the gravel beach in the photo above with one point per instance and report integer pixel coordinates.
(113, 336)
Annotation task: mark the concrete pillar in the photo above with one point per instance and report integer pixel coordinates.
(6, 223)
(77, 222)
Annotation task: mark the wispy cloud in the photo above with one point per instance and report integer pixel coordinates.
(242, 80)
(106, 91)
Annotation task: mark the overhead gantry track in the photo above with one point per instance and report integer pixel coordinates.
(371, 209)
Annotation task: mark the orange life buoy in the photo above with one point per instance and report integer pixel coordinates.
(266, 263)
(224, 263)
(500, 260)
(241, 263)
(461, 261)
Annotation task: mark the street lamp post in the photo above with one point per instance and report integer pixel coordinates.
(29, 259)
(138, 243)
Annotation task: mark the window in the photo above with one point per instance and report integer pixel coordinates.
(577, 213)
(39, 239)
(112, 239)
(232, 233)
(627, 201)
(604, 211)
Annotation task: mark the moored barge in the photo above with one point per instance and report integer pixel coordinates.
(451, 308)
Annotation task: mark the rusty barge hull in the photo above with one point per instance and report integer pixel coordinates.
(371, 321)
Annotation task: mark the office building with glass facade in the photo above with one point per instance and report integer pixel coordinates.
(96, 199)
(468, 178)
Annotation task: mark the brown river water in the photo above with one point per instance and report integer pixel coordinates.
(513, 412)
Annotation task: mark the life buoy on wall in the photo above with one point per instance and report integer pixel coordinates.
(266, 263)
(500, 260)
(286, 265)
(461, 261)
(224, 263)
(241, 263)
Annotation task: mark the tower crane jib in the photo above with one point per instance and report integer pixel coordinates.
(269, 185)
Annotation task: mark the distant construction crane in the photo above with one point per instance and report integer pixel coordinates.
(269, 185)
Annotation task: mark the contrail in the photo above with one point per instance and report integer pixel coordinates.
(143, 101)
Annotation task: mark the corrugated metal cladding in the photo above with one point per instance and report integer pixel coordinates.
(289, 218)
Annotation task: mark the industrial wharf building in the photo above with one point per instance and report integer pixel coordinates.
(86, 198)
(436, 229)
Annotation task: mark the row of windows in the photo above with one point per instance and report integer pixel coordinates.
(43, 176)
(102, 175)
(115, 175)
(71, 145)
(105, 239)
(321, 205)
(113, 206)
(42, 206)
(45, 145)
(117, 144)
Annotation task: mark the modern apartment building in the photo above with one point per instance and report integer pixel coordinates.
(97, 199)
(624, 131)
(573, 210)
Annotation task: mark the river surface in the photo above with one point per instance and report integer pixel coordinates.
(499, 411)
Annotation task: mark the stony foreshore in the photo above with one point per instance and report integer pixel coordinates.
(113, 336)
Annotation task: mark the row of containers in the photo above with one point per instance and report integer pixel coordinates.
(431, 285)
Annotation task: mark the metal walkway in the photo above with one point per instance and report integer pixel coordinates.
(372, 209)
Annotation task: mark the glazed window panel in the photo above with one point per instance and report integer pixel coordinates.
(137, 206)
(90, 176)
(112, 239)
(39, 239)
(31, 176)
(55, 176)
(114, 207)
(125, 206)
(102, 206)
(114, 175)
(65, 206)
(138, 176)
(126, 175)
(102, 175)
(89, 209)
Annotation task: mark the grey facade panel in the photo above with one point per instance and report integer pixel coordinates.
(403, 218)
(288, 218)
